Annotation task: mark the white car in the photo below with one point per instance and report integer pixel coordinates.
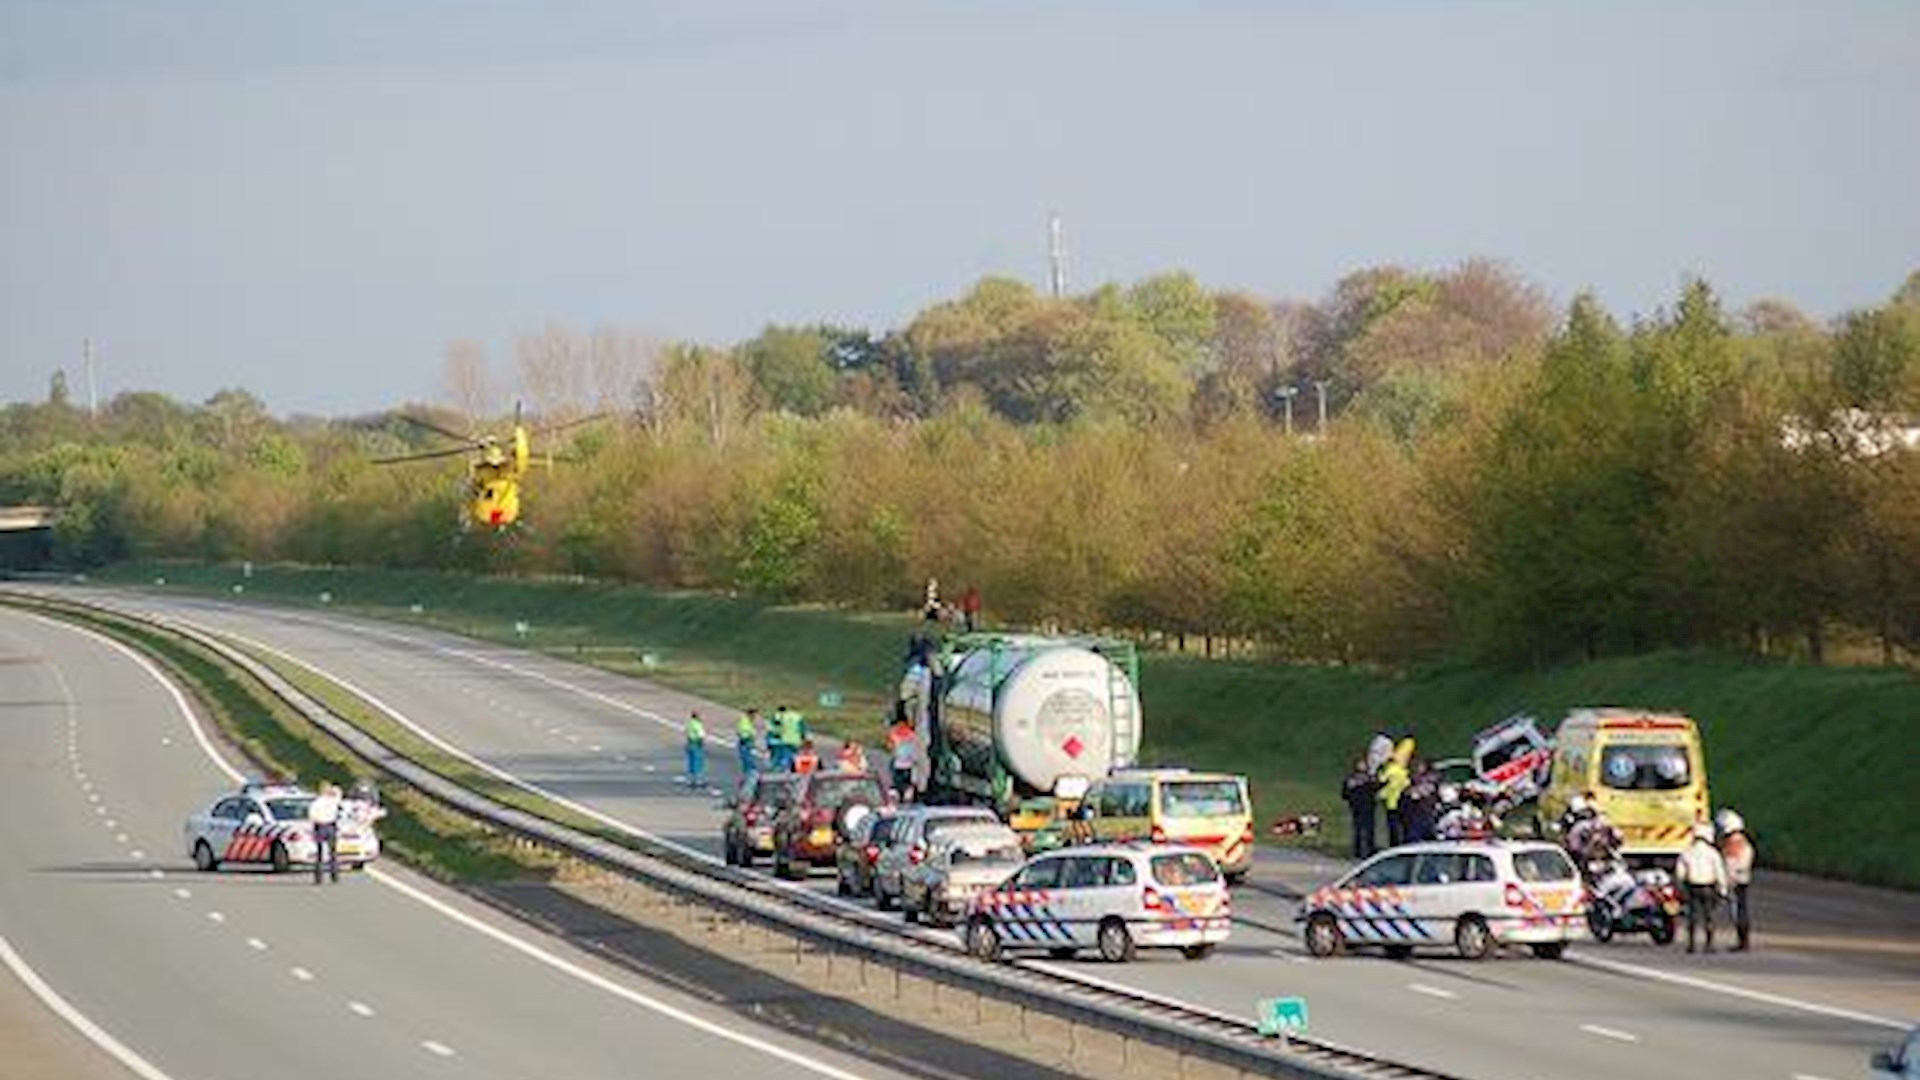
(266, 824)
(1116, 898)
(910, 842)
(1468, 895)
(963, 861)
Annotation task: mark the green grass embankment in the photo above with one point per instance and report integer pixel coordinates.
(1814, 757)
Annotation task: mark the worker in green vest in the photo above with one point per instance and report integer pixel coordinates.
(746, 731)
(696, 751)
(784, 737)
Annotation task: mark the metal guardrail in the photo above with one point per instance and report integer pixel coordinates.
(1187, 1030)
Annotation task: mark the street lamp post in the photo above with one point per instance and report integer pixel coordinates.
(1286, 400)
(1320, 386)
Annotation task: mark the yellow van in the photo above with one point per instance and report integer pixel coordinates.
(1210, 811)
(1646, 771)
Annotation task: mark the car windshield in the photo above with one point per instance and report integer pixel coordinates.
(1201, 798)
(775, 793)
(944, 826)
(289, 809)
(1542, 864)
(1186, 868)
(1645, 767)
(833, 792)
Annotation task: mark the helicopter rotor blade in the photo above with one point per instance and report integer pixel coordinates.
(565, 424)
(426, 455)
(437, 429)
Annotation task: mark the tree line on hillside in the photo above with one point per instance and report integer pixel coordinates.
(1492, 478)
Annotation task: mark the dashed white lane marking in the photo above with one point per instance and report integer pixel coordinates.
(1433, 991)
(1610, 1033)
(135, 1064)
(156, 873)
(137, 855)
(256, 944)
(1808, 1076)
(100, 810)
(111, 824)
(594, 749)
(215, 916)
(360, 1008)
(438, 1049)
(648, 766)
(119, 838)
(166, 740)
(301, 973)
(182, 894)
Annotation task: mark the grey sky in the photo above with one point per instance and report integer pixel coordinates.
(308, 199)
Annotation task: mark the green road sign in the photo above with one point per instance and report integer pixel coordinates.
(649, 660)
(830, 699)
(520, 627)
(1283, 1016)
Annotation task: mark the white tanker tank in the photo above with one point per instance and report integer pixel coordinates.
(1020, 716)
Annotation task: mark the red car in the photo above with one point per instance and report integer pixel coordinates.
(808, 831)
(749, 829)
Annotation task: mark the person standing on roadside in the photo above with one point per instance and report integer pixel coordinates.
(746, 731)
(1394, 779)
(807, 760)
(323, 813)
(1703, 874)
(696, 750)
(1420, 803)
(1736, 847)
(1360, 792)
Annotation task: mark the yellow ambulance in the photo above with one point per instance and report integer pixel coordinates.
(1645, 770)
(1210, 811)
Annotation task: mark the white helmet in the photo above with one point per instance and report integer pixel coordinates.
(1577, 804)
(1730, 821)
(1449, 793)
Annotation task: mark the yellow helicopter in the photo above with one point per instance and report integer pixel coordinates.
(495, 470)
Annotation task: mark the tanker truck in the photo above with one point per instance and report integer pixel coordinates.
(1021, 723)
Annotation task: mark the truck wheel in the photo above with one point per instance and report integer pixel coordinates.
(881, 901)
(203, 859)
(1116, 945)
(1323, 935)
(1472, 938)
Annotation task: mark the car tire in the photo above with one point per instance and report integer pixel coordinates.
(1197, 952)
(881, 901)
(203, 859)
(1323, 935)
(783, 868)
(1550, 950)
(1398, 952)
(983, 941)
(278, 857)
(840, 886)
(1472, 939)
(1116, 945)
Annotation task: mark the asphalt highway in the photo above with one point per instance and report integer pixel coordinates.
(613, 746)
(178, 974)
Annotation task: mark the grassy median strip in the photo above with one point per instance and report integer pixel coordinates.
(280, 742)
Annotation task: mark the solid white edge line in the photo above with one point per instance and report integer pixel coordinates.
(1609, 1033)
(601, 982)
(518, 945)
(1696, 983)
(51, 998)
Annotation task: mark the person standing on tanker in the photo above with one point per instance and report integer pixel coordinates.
(1360, 790)
(323, 813)
(696, 750)
(807, 760)
(852, 757)
(1394, 779)
(746, 731)
(1736, 847)
(903, 746)
(1703, 874)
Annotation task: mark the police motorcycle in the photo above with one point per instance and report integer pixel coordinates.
(1467, 812)
(1623, 901)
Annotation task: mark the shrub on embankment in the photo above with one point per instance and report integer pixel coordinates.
(1810, 755)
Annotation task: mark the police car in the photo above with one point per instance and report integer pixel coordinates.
(266, 824)
(1467, 896)
(1114, 898)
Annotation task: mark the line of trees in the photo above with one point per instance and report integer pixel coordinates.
(1495, 477)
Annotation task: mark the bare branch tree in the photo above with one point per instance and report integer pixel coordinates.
(466, 380)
